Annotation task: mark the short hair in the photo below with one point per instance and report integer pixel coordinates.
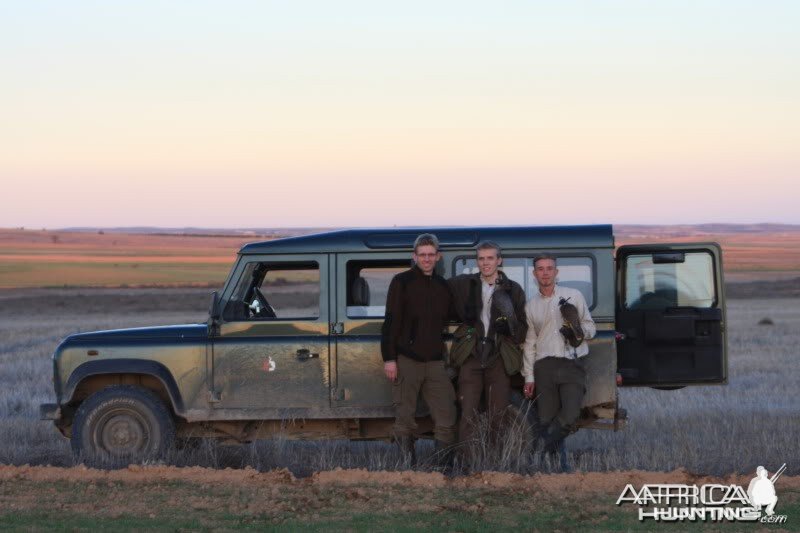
(489, 245)
(542, 257)
(426, 239)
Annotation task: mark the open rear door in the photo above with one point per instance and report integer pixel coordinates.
(670, 309)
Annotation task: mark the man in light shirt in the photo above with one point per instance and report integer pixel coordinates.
(551, 366)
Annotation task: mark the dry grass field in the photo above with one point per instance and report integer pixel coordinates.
(713, 430)
(50, 288)
(751, 253)
(79, 259)
(39, 258)
(720, 431)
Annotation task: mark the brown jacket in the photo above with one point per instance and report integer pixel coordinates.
(468, 304)
(417, 310)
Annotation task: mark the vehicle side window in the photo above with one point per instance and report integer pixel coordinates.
(276, 291)
(653, 285)
(575, 272)
(368, 284)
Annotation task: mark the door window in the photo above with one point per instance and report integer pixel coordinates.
(683, 280)
(368, 285)
(575, 272)
(276, 291)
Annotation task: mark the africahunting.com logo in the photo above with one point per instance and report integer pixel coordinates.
(710, 502)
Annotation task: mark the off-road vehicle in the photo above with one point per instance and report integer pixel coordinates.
(292, 342)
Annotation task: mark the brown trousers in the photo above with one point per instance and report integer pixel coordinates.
(432, 381)
(560, 386)
(474, 381)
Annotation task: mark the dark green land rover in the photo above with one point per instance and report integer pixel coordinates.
(292, 343)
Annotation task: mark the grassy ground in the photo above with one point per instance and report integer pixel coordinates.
(716, 430)
(708, 430)
(31, 500)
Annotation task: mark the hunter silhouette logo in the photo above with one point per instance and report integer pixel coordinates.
(761, 490)
(709, 502)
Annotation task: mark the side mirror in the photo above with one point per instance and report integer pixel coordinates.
(213, 308)
(213, 315)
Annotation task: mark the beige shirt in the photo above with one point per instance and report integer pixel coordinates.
(544, 321)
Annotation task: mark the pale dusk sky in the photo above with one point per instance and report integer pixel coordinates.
(258, 114)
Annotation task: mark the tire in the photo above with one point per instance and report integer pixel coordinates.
(120, 425)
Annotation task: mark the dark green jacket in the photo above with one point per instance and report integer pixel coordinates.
(468, 304)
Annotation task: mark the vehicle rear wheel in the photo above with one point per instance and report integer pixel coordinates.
(120, 425)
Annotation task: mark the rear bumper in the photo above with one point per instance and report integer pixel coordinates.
(49, 411)
(605, 418)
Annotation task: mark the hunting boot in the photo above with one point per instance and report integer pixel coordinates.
(562, 457)
(554, 445)
(408, 454)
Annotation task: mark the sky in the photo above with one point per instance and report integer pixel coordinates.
(276, 114)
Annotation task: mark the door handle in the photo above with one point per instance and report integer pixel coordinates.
(304, 354)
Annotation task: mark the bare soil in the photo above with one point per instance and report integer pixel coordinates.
(160, 497)
(554, 484)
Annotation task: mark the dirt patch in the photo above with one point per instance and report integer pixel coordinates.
(578, 482)
(359, 477)
(149, 474)
(170, 499)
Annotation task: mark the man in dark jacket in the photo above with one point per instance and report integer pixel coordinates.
(484, 372)
(417, 310)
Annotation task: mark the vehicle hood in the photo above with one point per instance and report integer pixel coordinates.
(183, 331)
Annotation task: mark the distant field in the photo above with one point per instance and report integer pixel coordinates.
(76, 259)
(39, 258)
(748, 255)
(117, 274)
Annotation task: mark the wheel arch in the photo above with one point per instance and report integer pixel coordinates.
(96, 375)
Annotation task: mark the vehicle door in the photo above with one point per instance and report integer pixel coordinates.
(670, 310)
(272, 351)
(362, 283)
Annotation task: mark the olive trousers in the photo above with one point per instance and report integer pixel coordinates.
(431, 380)
(560, 386)
(493, 384)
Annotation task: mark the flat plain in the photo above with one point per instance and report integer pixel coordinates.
(696, 434)
(56, 258)
(715, 430)
(701, 434)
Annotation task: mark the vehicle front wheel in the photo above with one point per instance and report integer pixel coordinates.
(120, 425)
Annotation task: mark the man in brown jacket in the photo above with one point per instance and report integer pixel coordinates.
(417, 310)
(484, 371)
